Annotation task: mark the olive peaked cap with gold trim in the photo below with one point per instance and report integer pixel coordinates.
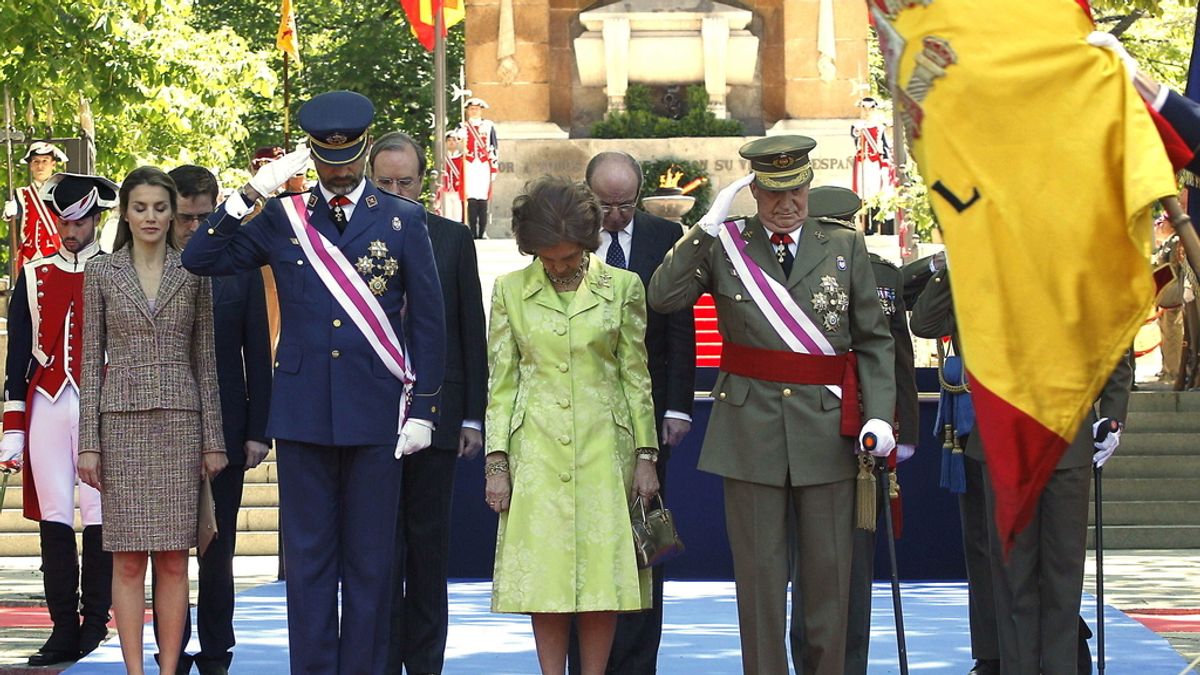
(780, 163)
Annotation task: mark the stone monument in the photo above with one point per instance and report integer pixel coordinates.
(552, 68)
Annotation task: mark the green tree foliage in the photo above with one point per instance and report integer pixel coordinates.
(161, 90)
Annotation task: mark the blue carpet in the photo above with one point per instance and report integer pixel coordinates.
(699, 634)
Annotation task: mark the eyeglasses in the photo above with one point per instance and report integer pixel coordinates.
(397, 183)
(623, 208)
(190, 217)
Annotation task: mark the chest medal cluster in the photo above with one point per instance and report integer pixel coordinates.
(830, 302)
(377, 267)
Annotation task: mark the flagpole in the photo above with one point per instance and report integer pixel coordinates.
(287, 98)
(439, 87)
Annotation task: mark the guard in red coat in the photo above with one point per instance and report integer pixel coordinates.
(41, 418)
(37, 224)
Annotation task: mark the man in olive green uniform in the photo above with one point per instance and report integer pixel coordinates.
(933, 317)
(799, 315)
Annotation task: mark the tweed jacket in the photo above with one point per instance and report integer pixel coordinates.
(768, 432)
(137, 359)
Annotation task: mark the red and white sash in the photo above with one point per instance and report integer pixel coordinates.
(351, 292)
(799, 332)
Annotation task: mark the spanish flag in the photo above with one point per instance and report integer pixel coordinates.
(1042, 165)
(421, 15)
(285, 39)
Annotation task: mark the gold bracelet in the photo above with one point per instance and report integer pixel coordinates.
(495, 468)
(648, 454)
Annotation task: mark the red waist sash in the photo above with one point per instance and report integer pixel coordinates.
(795, 368)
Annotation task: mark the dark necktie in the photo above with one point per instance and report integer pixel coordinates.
(335, 209)
(783, 252)
(616, 256)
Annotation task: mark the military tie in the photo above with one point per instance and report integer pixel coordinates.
(616, 255)
(335, 209)
(783, 252)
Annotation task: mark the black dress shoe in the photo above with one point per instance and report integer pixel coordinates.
(49, 657)
(986, 667)
(212, 669)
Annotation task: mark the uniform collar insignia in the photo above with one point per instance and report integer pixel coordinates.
(372, 202)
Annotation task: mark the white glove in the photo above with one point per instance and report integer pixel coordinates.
(10, 209)
(885, 441)
(11, 447)
(272, 175)
(711, 222)
(414, 435)
(904, 452)
(1110, 42)
(1106, 447)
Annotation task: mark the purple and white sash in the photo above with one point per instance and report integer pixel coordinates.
(799, 332)
(351, 292)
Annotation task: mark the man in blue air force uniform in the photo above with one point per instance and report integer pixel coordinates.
(355, 273)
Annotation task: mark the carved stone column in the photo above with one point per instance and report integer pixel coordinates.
(714, 33)
(616, 56)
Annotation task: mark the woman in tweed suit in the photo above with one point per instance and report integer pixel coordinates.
(150, 419)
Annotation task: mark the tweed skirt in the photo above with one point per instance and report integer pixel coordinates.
(150, 473)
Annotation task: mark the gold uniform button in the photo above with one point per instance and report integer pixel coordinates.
(335, 353)
(433, 408)
(276, 364)
(212, 231)
(738, 297)
(337, 323)
(299, 262)
(564, 477)
(787, 392)
(721, 396)
(695, 242)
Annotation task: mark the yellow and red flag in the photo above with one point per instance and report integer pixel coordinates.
(422, 13)
(1043, 164)
(285, 39)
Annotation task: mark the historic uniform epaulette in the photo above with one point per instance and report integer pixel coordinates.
(876, 258)
(827, 220)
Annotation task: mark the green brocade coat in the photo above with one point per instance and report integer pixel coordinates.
(778, 433)
(569, 401)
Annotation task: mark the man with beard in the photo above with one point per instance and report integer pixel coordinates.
(358, 373)
(41, 418)
(803, 334)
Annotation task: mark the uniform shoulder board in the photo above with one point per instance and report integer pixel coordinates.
(880, 260)
(826, 220)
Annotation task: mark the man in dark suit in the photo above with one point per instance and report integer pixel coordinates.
(637, 241)
(420, 608)
(358, 373)
(244, 379)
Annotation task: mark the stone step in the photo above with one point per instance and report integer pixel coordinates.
(27, 544)
(265, 472)
(1118, 537)
(1146, 513)
(1164, 401)
(1124, 465)
(253, 494)
(1156, 443)
(1161, 422)
(249, 518)
(1150, 489)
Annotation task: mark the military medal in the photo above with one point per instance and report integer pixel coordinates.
(830, 302)
(397, 224)
(841, 262)
(377, 267)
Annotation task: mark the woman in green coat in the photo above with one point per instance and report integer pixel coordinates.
(570, 429)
